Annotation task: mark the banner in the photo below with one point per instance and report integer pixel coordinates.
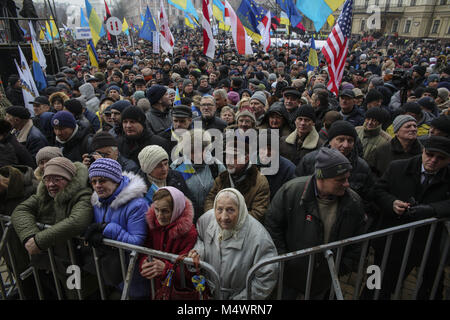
(83, 33)
(155, 41)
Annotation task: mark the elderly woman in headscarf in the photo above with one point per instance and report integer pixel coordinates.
(232, 241)
(170, 229)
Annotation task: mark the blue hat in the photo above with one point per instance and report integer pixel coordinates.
(155, 92)
(120, 105)
(113, 87)
(64, 119)
(107, 168)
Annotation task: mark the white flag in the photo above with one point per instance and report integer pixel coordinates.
(37, 48)
(166, 40)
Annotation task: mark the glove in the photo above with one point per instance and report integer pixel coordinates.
(92, 232)
(96, 239)
(421, 211)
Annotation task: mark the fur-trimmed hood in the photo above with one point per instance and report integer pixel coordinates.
(78, 182)
(179, 227)
(136, 188)
(310, 141)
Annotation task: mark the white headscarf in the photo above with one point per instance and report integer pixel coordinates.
(243, 213)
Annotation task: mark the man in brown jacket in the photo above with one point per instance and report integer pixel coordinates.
(243, 176)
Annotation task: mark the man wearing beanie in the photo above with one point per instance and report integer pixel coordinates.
(24, 130)
(442, 100)
(158, 117)
(371, 133)
(119, 214)
(325, 197)
(258, 103)
(42, 157)
(404, 145)
(154, 162)
(136, 135)
(63, 199)
(342, 136)
(113, 92)
(116, 112)
(423, 119)
(75, 107)
(410, 190)
(304, 139)
(373, 99)
(72, 141)
(245, 120)
(104, 145)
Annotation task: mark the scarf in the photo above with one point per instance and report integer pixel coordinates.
(243, 213)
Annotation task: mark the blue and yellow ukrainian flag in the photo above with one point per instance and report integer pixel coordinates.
(186, 170)
(177, 100)
(319, 11)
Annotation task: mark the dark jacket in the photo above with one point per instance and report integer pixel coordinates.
(75, 147)
(286, 172)
(15, 96)
(23, 156)
(130, 147)
(290, 149)
(286, 129)
(388, 152)
(44, 123)
(213, 123)
(34, 140)
(93, 119)
(127, 164)
(294, 223)
(158, 121)
(355, 117)
(320, 113)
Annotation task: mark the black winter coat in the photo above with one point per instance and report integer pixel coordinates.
(23, 156)
(158, 121)
(75, 147)
(214, 123)
(294, 223)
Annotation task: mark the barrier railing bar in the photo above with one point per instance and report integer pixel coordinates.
(55, 277)
(404, 261)
(424, 260)
(280, 282)
(182, 280)
(334, 275)
(37, 280)
(310, 275)
(129, 278)
(441, 263)
(2, 288)
(122, 263)
(74, 263)
(99, 277)
(362, 258)
(337, 265)
(14, 270)
(152, 281)
(387, 249)
(5, 236)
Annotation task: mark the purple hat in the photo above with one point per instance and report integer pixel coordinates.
(64, 119)
(347, 85)
(233, 96)
(107, 168)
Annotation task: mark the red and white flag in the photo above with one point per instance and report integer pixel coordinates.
(264, 30)
(240, 37)
(336, 48)
(166, 39)
(209, 44)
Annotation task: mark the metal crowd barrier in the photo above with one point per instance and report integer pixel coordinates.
(333, 266)
(127, 271)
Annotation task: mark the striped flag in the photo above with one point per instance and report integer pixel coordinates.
(166, 38)
(209, 44)
(92, 53)
(241, 40)
(313, 62)
(186, 170)
(336, 47)
(264, 29)
(177, 100)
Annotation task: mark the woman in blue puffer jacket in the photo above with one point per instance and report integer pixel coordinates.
(119, 211)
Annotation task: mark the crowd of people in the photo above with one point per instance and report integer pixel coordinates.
(111, 152)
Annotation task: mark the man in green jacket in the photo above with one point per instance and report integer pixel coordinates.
(63, 201)
(311, 211)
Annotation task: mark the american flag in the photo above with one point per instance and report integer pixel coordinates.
(336, 48)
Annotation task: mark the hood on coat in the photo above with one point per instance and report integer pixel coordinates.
(61, 95)
(310, 141)
(88, 91)
(78, 182)
(179, 227)
(136, 188)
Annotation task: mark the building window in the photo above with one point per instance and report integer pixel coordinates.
(413, 3)
(407, 26)
(388, 3)
(443, 2)
(366, 3)
(435, 26)
(363, 25)
(395, 26)
(377, 2)
(400, 3)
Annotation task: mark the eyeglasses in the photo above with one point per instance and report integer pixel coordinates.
(54, 180)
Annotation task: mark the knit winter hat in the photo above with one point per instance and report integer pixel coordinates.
(48, 153)
(427, 103)
(113, 87)
(246, 113)
(305, 111)
(443, 93)
(331, 163)
(400, 120)
(120, 105)
(106, 168)
(151, 156)
(155, 92)
(233, 96)
(341, 128)
(74, 106)
(103, 139)
(60, 166)
(64, 119)
(19, 112)
(442, 124)
(412, 107)
(260, 96)
(134, 113)
(186, 82)
(139, 95)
